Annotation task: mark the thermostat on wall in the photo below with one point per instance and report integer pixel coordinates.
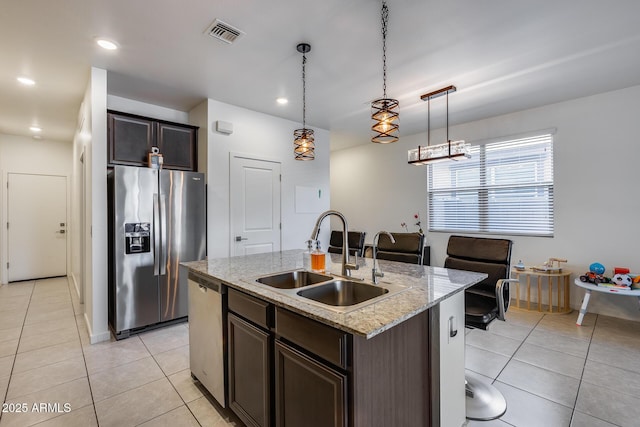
(224, 127)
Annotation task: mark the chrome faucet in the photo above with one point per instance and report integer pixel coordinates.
(346, 267)
(375, 273)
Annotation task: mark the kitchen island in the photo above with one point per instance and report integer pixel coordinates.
(397, 359)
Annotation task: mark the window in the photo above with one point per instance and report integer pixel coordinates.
(505, 188)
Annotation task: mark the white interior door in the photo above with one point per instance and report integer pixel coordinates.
(255, 206)
(37, 233)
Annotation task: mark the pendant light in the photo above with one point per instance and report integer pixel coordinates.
(384, 111)
(450, 150)
(303, 144)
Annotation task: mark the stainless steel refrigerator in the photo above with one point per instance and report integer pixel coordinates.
(157, 219)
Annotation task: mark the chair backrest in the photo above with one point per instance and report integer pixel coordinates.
(407, 248)
(356, 242)
(482, 255)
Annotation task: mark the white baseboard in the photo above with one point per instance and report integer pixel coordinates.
(96, 338)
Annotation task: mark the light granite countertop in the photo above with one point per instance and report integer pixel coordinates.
(424, 288)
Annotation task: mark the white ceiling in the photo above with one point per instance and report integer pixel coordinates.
(503, 56)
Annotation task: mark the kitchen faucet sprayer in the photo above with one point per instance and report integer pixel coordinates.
(375, 273)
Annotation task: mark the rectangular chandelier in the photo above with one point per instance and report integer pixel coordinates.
(452, 150)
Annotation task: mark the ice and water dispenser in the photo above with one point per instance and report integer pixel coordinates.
(137, 236)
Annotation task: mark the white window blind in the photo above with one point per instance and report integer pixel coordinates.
(505, 188)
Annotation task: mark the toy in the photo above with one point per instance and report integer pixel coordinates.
(621, 280)
(548, 266)
(595, 274)
(591, 277)
(597, 268)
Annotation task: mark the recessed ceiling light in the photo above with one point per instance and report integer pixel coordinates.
(35, 129)
(107, 44)
(26, 81)
(282, 101)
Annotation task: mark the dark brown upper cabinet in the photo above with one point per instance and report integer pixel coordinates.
(131, 138)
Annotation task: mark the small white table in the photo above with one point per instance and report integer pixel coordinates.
(589, 287)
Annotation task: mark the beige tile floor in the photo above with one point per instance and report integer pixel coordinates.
(46, 358)
(551, 372)
(554, 373)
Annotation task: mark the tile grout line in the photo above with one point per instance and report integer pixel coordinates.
(66, 382)
(518, 348)
(584, 365)
(153, 356)
(518, 388)
(15, 355)
(573, 408)
(582, 375)
(84, 359)
(172, 385)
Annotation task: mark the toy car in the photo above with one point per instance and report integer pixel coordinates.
(591, 277)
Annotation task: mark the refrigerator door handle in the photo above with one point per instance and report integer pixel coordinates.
(156, 236)
(163, 231)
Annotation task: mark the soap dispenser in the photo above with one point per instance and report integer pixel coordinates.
(318, 259)
(306, 255)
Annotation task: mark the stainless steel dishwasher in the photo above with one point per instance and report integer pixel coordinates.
(206, 334)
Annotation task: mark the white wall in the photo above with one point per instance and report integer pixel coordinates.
(263, 136)
(254, 133)
(91, 138)
(20, 154)
(126, 105)
(597, 198)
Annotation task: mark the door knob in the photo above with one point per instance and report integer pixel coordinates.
(240, 238)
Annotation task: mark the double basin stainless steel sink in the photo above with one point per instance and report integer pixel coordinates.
(335, 293)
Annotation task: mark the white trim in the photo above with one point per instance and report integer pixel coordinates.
(95, 338)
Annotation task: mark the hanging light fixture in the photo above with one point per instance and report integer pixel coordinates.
(450, 150)
(384, 111)
(303, 144)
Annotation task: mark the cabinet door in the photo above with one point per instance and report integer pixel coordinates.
(130, 140)
(177, 144)
(447, 361)
(308, 393)
(249, 372)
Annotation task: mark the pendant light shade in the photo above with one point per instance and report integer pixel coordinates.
(384, 111)
(303, 144)
(450, 150)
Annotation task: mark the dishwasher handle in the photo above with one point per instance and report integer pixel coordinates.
(206, 284)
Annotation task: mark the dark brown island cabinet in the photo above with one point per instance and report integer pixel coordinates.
(286, 370)
(131, 138)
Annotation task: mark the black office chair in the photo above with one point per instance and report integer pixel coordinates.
(356, 242)
(407, 248)
(484, 302)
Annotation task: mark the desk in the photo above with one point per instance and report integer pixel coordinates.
(589, 287)
(562, 278)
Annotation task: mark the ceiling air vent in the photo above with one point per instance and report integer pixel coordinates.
(223, 31)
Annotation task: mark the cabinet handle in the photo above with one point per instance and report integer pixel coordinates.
(453, 327)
